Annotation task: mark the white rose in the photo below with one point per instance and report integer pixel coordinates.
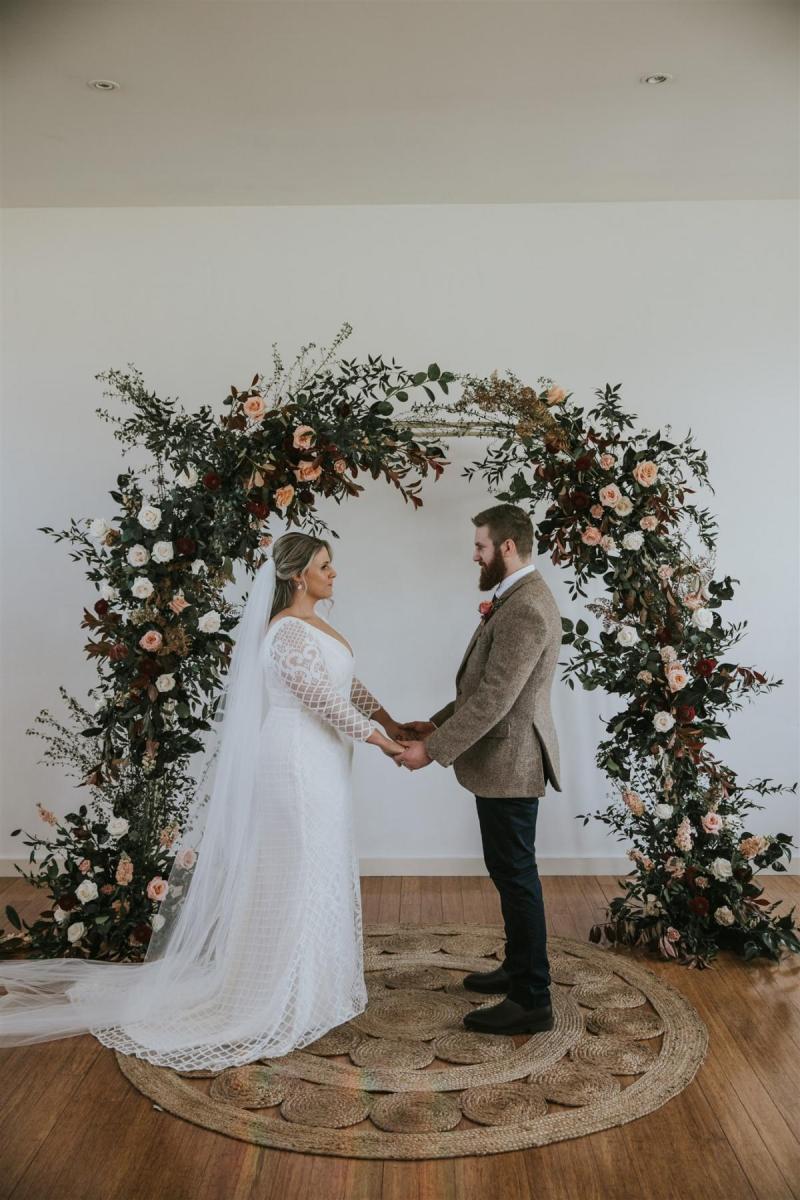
(138, 555)
(702, 618)
(59, 914)
(162, 552)
(723, 915)
(76, 931)
(98, 528)
(209, 622)
(721, 868)
(187, 478)
(633, 541)
(197, 566)
(142, 588)
(117, 827)
(165, 683)
(663, 811)
(623, 507)
(627, 636)
(107, 592)
(149, 516)
(86, 891)
(157, 922)
(663, 721)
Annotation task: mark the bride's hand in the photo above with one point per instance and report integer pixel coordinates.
(390, 749)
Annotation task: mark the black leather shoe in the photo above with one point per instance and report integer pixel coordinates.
(489, 982)
(510, 1017)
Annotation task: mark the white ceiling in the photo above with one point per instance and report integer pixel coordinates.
(228, 102)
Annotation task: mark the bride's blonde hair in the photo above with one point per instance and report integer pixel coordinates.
(293, 554)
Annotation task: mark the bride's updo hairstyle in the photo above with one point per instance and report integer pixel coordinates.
(292, 554)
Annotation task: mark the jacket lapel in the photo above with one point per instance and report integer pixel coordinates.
(526, 579)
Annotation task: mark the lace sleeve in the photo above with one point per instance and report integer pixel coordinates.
(296, 657)
(363, 698)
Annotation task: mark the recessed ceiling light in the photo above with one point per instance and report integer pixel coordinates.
(103, 85)
(658, 78)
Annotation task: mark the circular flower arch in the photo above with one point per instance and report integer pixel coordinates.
(615, 504)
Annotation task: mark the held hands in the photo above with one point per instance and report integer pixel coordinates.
(406, 746)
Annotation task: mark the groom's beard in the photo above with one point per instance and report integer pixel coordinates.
(492, 573)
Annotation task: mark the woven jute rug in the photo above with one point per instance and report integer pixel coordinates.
(406, 1080)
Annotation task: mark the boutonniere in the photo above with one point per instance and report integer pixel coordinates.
(486, 608)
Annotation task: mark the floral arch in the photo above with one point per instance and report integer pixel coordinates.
(616, 504)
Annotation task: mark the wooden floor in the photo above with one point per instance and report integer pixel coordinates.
(73, 1128)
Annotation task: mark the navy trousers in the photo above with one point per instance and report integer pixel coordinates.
(508, 834)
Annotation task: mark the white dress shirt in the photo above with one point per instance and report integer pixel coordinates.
(506, 583)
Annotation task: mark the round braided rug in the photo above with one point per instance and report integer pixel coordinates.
(405, 1079)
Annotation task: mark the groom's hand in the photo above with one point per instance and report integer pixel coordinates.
(414, 756)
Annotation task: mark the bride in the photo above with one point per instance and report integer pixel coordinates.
(258, 942)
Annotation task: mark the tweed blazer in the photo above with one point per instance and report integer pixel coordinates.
(498, 733)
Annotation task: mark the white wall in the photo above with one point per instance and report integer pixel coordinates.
(692, 306)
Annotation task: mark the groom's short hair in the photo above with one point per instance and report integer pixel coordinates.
(508, 521)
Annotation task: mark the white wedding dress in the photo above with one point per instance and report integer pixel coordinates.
(289, 965)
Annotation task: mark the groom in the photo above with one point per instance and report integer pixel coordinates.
(499, 735)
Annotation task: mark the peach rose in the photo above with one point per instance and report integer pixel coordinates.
(151, 640)
(124, 871)
(591, 536)
(610, 496)
(187, 858)
(254, 408)
(645, 473)
(693, 600)
(676, 677)
(303, 437)
(607, 461)
(178, 604)
(649, 522)
(157, 888)
(306, 472)
(750, 847)
(556, 395)
(597, 511)
(340, 466)
(284, 496)
(711, 822)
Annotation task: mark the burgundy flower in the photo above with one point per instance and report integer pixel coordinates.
(212, 481)
(118, 651)
(706, 667)
(141, 932)
(306, 495)
(699, 906)
(581, 500)
(257, 508)
(101, 607)
(686, 713)
(584, 462)
(185, 545)
(68, 902)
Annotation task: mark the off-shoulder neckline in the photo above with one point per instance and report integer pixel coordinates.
(347, 648)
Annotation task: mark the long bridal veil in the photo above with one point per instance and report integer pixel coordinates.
(211, 990)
